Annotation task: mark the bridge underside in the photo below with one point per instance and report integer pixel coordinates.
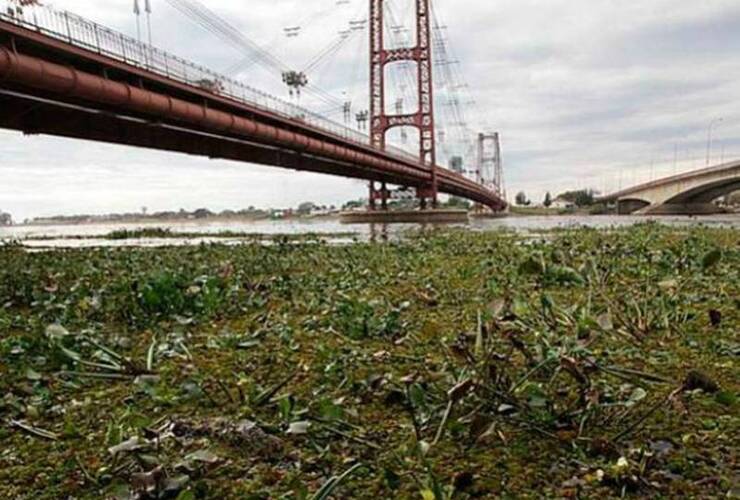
(33, 115)
(50, 87)
(693, 201)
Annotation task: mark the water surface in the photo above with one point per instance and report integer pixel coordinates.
(329, 228)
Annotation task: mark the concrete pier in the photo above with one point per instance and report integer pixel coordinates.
(405, 217)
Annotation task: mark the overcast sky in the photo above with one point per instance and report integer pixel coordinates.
(586, 93)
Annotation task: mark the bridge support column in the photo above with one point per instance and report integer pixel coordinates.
(375, 194)
(426, 197)
(371, 196)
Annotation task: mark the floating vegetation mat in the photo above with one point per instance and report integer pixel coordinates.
(587, 364)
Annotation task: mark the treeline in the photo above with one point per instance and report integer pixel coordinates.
(201, 213)
(5, 219)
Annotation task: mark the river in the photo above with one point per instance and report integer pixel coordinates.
(88, 235)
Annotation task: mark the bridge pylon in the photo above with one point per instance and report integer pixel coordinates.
(489, 168)
(489, 171)
(423, 118)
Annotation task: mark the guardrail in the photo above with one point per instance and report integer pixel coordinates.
(86, 34)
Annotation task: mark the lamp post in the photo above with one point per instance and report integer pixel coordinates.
(709, 138)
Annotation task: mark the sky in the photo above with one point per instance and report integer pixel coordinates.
(585, 94)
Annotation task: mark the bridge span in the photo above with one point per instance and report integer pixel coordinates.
(690, 193)
(77, 79)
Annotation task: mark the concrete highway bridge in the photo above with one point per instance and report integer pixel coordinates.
(690, 193)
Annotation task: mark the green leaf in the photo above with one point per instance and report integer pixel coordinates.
(392, 479)
(531, 266)
(711, 259)
(329, 410)
(427, 495)
(326, 490)
(563, 275)
(726, 398)
(417, 396)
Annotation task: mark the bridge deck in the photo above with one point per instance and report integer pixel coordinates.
(673, 179)
(83, 89)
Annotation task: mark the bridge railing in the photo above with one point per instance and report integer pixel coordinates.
(86, 34)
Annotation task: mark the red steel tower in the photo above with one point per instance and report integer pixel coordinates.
(423, 117)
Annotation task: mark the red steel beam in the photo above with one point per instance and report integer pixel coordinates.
(76, 86)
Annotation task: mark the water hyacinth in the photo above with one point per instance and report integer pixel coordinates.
(450, 364)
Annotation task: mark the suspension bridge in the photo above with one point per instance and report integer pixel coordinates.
(64, 75)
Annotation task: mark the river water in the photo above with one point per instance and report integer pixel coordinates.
(88, 235)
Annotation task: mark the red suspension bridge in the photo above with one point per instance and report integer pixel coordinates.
(63, 75)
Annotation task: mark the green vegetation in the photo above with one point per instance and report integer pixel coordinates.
(458, 203)
(149, 232)
(166, 233)
(536, 211)
(579, 364)
(580, 198)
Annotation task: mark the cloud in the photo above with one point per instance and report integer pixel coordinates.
(584, 92)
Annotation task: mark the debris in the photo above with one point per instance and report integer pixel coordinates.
(696, 379)
(715, 317)
(298, 427)
(244, 435)
(36, 431)
(133, 444)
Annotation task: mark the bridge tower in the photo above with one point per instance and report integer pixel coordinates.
(489, 171)
(489, 168)
(423, 117)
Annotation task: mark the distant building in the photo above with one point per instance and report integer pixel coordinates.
(562, 204)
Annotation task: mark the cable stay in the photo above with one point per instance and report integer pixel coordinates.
(211, 22)
(448, 72)
(331, 49)
(323, 95)
(289, 33)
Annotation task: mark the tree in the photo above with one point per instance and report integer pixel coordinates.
(202, 213)
(306, 207)
(585, 198)
(733, 199)
(581, 197)
(5, 219)
(352, 204)
(548, 200)
(457, 202)
(521, 199)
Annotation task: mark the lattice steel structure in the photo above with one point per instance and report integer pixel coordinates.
(423, 118)
(489, 168)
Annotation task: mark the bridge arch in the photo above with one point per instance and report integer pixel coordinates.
(689, 193)
(706, 193)
(627, 206)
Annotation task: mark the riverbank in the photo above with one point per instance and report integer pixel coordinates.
(492, 364)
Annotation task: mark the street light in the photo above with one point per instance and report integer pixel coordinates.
(709, 137)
